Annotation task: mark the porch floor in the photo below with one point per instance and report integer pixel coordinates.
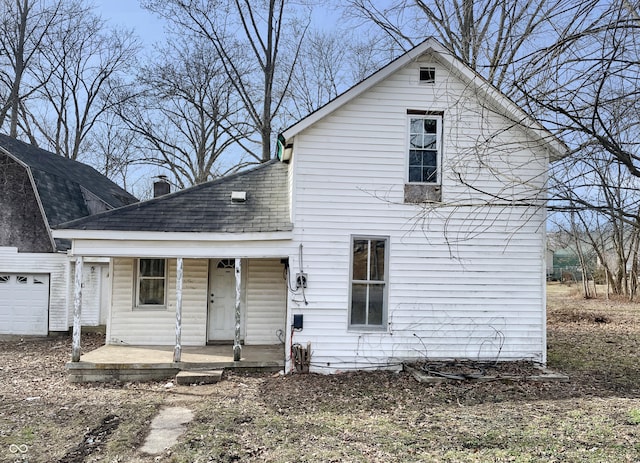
(140, 363)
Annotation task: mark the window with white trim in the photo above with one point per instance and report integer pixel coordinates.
(369, 278)
(427, 75)
(151, 283)
(424, 148)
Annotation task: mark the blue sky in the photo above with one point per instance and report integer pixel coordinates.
(129, 14)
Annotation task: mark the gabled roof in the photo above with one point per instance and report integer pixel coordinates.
(60, 182)
(207, 207)
(558, 148)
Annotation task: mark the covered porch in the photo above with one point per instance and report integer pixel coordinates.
(147, 363)
(204, 265)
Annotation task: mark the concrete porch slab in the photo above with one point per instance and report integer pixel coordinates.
(146, 363)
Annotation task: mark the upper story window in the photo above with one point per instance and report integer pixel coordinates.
(151, 287)
(427, 75)
(369, 276)
(424, 148)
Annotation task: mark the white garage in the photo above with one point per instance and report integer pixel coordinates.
(24, 303)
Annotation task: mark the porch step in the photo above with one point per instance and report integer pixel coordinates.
(185, 377)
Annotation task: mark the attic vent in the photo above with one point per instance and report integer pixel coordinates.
(427, 75)
(238, 196)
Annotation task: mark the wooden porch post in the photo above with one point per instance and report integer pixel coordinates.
(77, 311)
(237, 348)
(177, 352)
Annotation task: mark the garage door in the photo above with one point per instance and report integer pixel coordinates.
(24, 303)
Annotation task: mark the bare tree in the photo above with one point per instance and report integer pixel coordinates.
(330, 61)
(113, 151)
(492, 37)
(186, 114)
(24, 26)
(585, 87)
(78, 77)
(262, 31)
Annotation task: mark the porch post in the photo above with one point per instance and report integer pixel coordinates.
(177, 352)
(77, 311)
(237, 348)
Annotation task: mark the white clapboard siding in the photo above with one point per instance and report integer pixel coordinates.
(466, 279)
(93, 286)
(266, 300)
(55, 265)
(131, 325)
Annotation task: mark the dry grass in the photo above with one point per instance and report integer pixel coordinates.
(359, 417)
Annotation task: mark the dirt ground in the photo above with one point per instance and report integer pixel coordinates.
(354, 417)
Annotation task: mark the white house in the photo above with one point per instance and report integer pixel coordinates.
(39, 189)
(404, 220)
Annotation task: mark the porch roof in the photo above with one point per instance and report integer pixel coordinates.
(205, 208)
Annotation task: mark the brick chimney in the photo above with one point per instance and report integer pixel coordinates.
(161, 186)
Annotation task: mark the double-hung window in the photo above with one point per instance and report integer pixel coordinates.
(424, 147)
(151, 287)
(369, 282)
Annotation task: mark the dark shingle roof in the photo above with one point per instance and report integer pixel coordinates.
(207, 207)
(60, 181)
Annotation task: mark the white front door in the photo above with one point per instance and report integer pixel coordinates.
(222, 300)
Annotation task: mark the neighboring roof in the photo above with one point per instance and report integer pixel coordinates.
(207, 207)
(60, 181)
(557, 147)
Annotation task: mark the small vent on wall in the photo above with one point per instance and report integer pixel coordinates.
(427, 75)
(238, 196)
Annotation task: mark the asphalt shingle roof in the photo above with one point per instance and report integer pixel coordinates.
(207, 207)
(60, 181)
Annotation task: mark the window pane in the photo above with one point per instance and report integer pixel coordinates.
(377, 260)
(429, 174)
(415, 174)
(360, 253)
(429, 158)
(429, 142)
(416, 141)
(152, 267)
(416, 126)
(376, 300)
(430, 125)
(358, 304)
(415, 158)
(423, 150)
(152, 292)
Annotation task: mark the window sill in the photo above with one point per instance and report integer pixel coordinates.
(367, 329)
(416, 193)
(149, 308)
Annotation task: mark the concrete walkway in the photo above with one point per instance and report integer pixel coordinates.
(166, 427)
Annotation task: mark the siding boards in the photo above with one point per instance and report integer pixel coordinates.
(266, 301)
(92, 309)
(157, 326)
(464, 281)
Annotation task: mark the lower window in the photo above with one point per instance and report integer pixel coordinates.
(151, 288)
(369, 264)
